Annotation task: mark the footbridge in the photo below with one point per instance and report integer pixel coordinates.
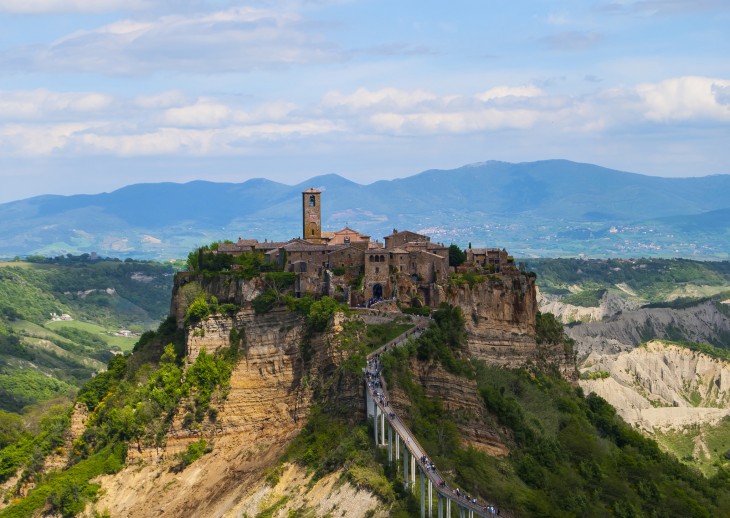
(391, 432)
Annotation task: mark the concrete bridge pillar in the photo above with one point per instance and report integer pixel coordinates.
(369, 401)
(413, 472)
(375, 424)
(440, 505)
(397, 447)
(382, 428)
(405, 467)
(430, 498)
(423, 495)
(448, 507)
(390, 444)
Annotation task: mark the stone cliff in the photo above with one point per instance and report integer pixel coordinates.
(272, 387)
(500, 319)
(282, 369)
(460, 397)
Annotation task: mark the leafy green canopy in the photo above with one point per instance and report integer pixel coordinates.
(248, 265)
(456, 255)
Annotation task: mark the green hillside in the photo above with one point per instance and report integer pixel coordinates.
(649, 280)
(41, 359)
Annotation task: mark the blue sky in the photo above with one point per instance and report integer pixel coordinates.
(97, 94)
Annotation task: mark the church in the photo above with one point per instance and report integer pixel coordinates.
(350, 267)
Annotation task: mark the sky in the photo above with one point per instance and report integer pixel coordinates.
(98, 94)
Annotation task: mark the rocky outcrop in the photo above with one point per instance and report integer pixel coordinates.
(609, 306)
(703, 322)
(662, 386)
(226, 287)
(460, 397)
(500, 316)
(271, 386)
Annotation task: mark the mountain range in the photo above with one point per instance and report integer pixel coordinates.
(545, 208)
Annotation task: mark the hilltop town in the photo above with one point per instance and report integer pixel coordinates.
(407, 267)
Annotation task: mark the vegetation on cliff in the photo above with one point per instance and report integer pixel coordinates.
(571, 455)
(132, 404)
(247, 265)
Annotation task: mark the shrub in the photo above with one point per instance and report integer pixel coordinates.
(264, 302)
(192, 453)
(197, 311)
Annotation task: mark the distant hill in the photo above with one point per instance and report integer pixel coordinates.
(41, 358)
(546, 208)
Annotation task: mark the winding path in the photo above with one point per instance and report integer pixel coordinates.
(378, 407)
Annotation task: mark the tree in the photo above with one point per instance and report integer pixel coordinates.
(456, 255)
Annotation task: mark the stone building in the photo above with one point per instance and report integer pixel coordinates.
(349, 266)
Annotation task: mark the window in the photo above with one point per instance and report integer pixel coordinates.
(347, 240)
(312, 231)
(377, 270)
(312, 200)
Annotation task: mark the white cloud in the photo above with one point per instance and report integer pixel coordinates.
(162, 100)
(70, 6)
(391, 110)
(40, 139)
(41, 103)
(40, 122)
(684, 99)
(363, 98)
(204, 113)
(233, 40)
(510, 91)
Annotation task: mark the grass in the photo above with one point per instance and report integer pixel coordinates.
(16, 264)
(681, 443)
(34, 330)
(122, 342)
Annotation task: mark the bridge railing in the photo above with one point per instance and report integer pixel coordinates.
(378, 402)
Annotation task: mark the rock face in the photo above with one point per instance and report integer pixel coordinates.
(271, 391)
(663, 386)
(500, 319)
(700, 323)
(273, 385)
(609, 306)
(225, 287)
(460, 397)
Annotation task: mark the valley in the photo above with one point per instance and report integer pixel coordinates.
(653, 339)
(261, 418)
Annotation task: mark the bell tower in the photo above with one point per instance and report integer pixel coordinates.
(312, 216)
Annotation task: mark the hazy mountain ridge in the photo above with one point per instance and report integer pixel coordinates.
(545, 208)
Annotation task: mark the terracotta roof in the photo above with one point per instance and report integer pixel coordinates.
(269, 245)
(229, 247)
(400, 232)
(301, 247)
(427, 253)
(311, 190)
